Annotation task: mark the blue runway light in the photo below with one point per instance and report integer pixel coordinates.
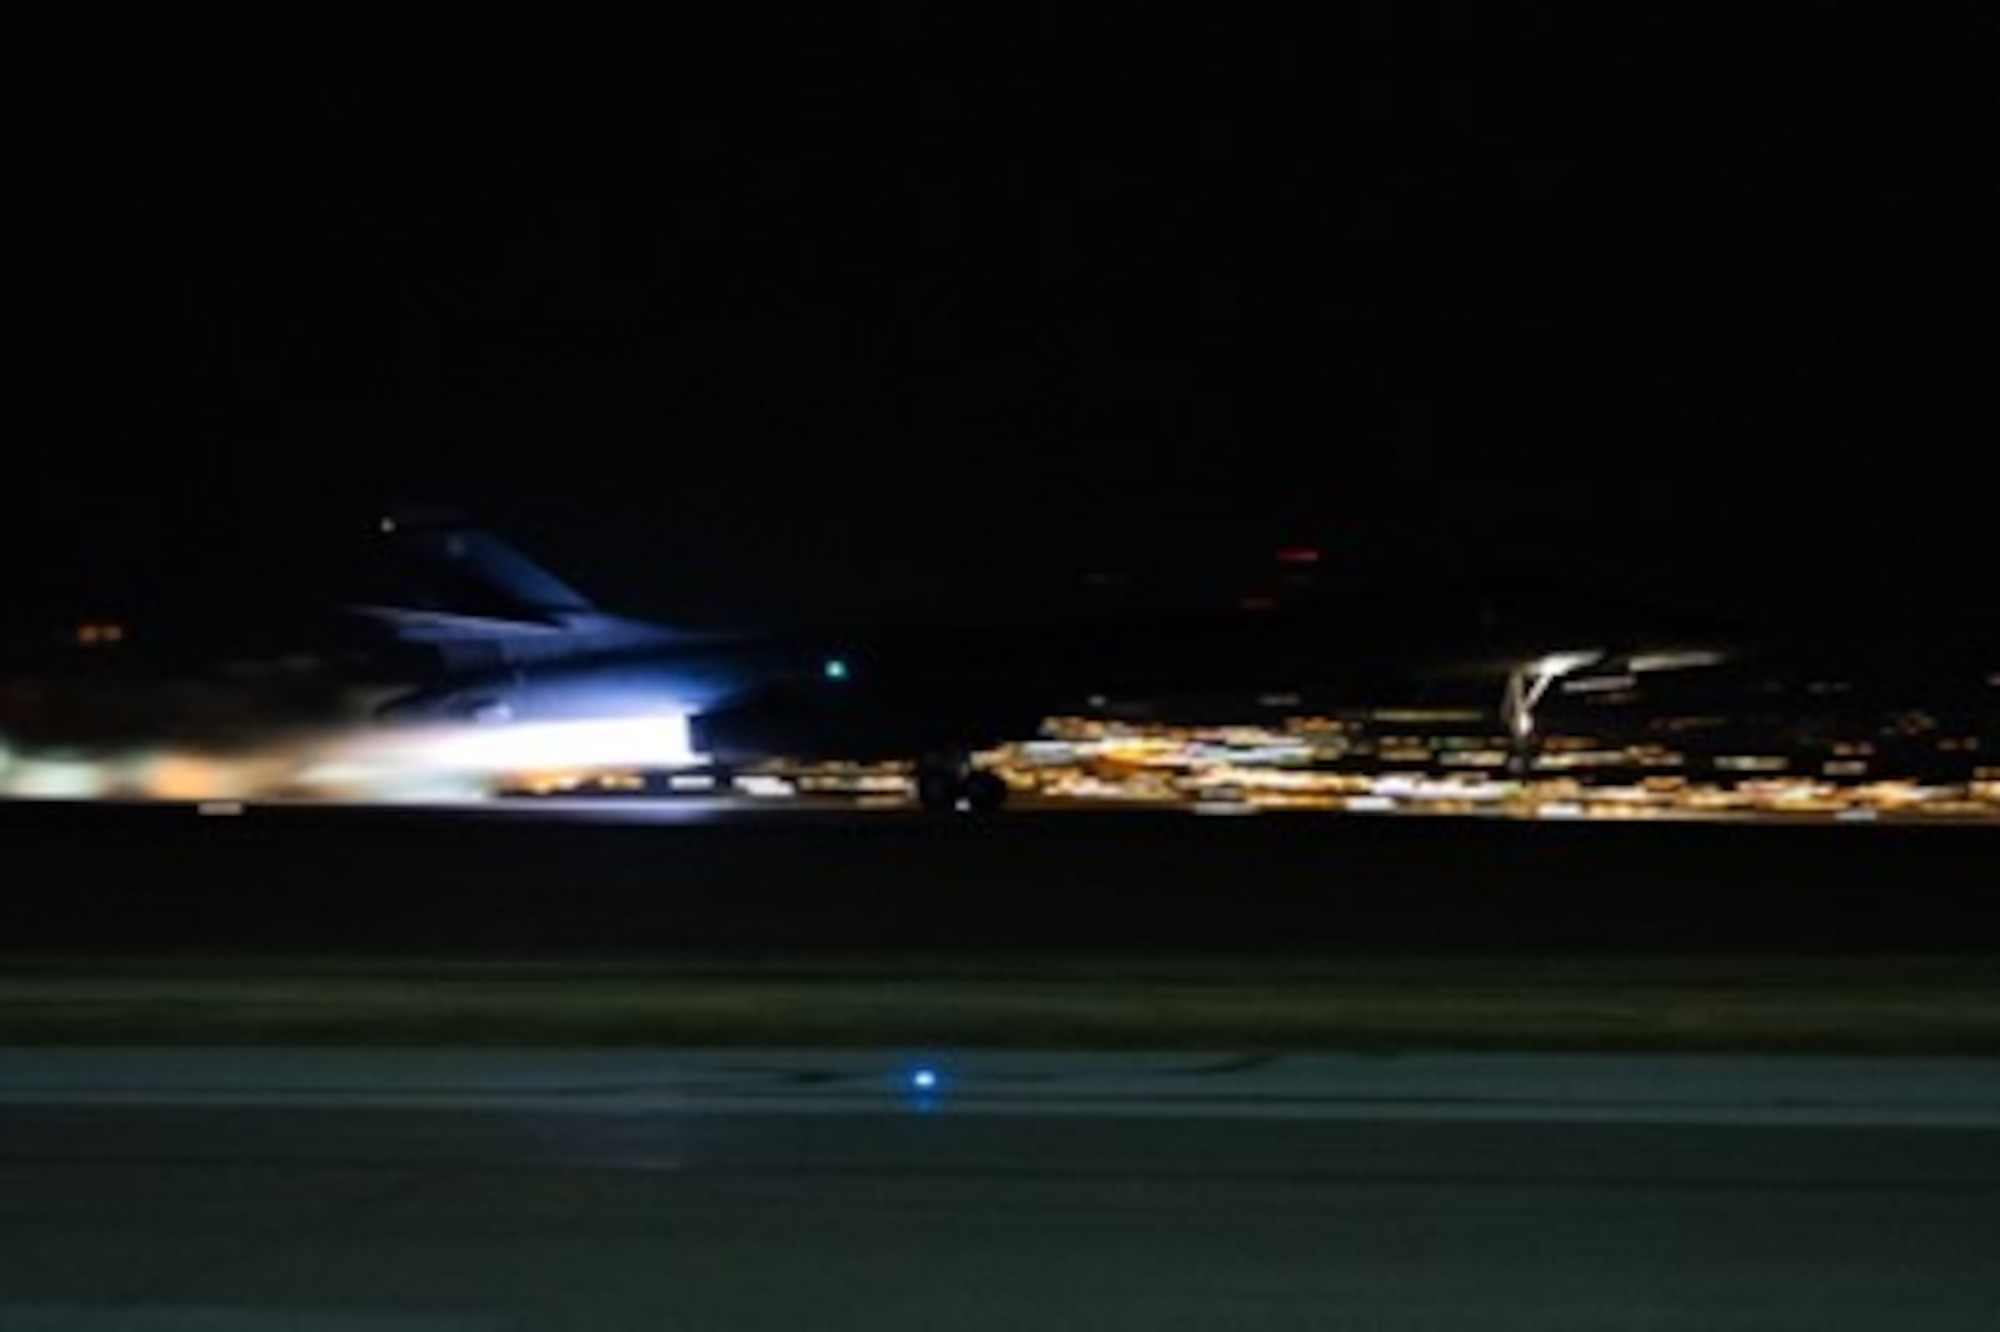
(835, 668)
(924, 1089)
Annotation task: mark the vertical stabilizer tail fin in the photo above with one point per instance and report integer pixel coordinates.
(446, 565)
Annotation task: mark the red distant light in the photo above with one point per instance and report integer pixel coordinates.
(1298, 555)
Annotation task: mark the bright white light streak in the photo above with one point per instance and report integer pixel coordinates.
(660, 741)
(1563, 663)
(51, 778)
(1599, 684)
(1675, 660)
(539, 747)
(423, 762)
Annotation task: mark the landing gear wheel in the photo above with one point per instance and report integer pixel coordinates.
(937, 788)
(982, 792)
(949, 784)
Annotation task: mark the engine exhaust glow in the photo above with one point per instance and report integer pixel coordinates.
(639, 742)
(458, 761)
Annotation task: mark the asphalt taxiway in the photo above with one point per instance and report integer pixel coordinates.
(379, 1191)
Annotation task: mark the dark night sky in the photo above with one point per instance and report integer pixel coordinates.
(797, 315)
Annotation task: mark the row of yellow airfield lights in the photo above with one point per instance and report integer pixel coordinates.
(1250, 768)
(1360, 764)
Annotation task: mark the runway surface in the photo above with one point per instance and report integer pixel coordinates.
(368, 1191)
(634, 881)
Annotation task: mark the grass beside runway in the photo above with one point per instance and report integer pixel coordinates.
(1927, 1005)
